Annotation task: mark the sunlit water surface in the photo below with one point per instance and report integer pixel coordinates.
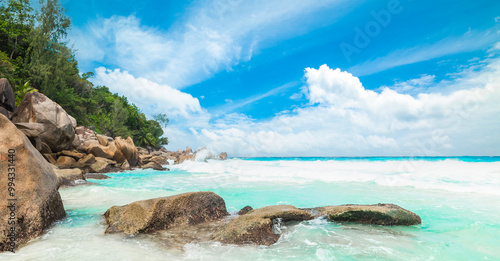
(458, 200)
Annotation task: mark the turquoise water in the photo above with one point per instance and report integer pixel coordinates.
(408, 158)
(457, 199)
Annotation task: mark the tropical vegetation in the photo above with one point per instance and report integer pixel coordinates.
(35, 56)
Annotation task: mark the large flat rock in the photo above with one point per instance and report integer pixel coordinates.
(379, 214)
(152, 215)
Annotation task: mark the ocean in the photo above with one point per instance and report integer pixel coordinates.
(458, 199)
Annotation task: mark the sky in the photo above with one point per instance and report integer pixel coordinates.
(303, 78)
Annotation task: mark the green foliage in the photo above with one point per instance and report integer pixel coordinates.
(34, 55)
(6, 67)
(162, 119)
(22, 90)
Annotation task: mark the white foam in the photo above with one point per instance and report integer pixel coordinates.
(450, 175)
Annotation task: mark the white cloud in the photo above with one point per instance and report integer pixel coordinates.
(213, 36)
(470, 41)
(345, 119)
(148, 95)
(233, 105)
(413, 86)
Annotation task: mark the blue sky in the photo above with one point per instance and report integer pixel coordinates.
(303, 78)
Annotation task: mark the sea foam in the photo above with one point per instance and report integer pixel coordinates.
(449, 175)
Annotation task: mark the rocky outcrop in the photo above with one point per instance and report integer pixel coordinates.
(85, 162)
(245, 210)
(101, 151)
(160, 160)
(103, 165)
(65, 162)
(103, 140)
(86, 137)
(5, 112)
(260, 226)
(38, 108)
(184, 157)
(72, 153)
(164, 213)
(7, 98)
(69, 177)
(96, 176)
(223, 156)
(153, 165)
(128, 150)
(125, 166)
(379, 214)
(38, 202)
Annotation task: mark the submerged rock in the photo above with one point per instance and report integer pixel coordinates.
(38, 203)
(164, 213)
(379, 214)
(256, 227)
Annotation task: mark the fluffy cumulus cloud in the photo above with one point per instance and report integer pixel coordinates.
(344, 118)
(148, 95)
(214, 36)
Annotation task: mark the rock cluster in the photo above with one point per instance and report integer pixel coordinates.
(42, 148)
(202, 216)
(53, 126)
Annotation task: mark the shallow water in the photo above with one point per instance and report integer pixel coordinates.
(457, 199)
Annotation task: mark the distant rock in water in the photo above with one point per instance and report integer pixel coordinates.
(69, 177)
(59, 131)
(223, 156)
(38, 203)
(260, 226)
(380, 214)
(96, 176)
(153, 165)
(245, 210)
(163, 213)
